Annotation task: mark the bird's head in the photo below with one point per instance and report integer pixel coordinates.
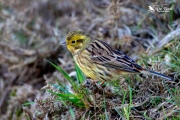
(77, 41)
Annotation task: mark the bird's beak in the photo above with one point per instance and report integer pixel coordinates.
(64, 43)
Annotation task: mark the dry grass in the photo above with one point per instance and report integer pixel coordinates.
(32, 31)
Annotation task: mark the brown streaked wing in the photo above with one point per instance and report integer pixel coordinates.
(104, 54)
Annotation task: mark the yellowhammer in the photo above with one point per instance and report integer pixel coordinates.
(99, 61)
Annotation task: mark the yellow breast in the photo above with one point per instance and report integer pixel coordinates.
(83, 60)
(93, 70)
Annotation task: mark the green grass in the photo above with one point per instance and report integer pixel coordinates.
(79, 96)
(127, 109)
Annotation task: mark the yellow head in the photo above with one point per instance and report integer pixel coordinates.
(77, 41)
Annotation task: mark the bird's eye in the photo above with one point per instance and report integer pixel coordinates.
(73, 42)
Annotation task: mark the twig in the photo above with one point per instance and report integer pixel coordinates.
(171, 36)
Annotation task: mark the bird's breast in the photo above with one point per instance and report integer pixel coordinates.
(93, 70)
(83, 61)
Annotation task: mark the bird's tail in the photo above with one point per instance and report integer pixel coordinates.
(157, 74)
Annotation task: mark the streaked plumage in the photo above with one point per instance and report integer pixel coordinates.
(99, 61)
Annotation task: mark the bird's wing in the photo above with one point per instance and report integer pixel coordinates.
(104, 54)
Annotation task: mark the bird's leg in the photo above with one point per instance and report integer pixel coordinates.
(100, 86)
(102, 83)
(91, 85)
(94, 86)
(104, 88)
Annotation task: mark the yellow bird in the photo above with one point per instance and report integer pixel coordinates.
(99, 61)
